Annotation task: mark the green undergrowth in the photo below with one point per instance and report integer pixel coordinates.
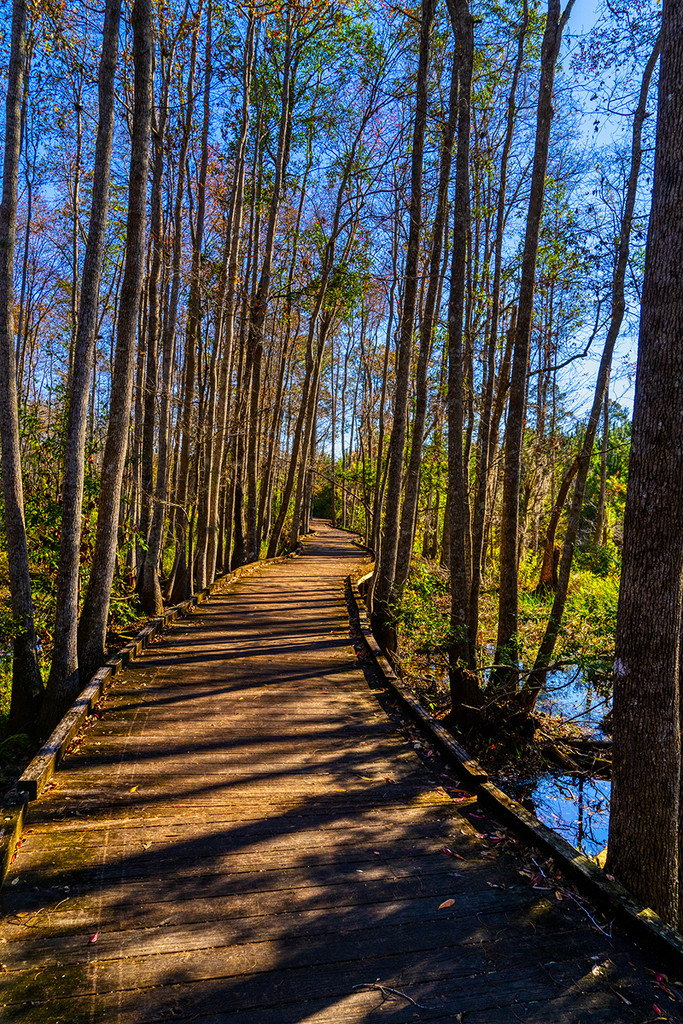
(586, 637)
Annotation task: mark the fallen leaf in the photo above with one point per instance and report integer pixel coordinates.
(475, 814)
(452, 853)
(93, 938)
(446, 903)
(494, 885)
(146, 846)
(132, 790)
(658, 1012)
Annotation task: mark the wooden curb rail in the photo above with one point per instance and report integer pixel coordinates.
(642, 923)
(42, 767)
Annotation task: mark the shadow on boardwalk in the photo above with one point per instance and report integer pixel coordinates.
(244, 837)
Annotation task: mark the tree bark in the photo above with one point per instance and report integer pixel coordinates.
(464, 687)
(535, 680)
(93, 625)
(646, 776)
(412, 483)
(506, 644)
(382, 593)
(487, 422)
(63, 682)
(27, 685)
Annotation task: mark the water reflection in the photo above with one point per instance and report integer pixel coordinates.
(577, 807)
(569, 696)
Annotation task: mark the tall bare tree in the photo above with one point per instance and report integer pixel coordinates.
(93, 624)
(63, 682)
(506, 644)
(27, 685)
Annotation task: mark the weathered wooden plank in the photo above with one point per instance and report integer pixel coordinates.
(272, 913)
(306, 963)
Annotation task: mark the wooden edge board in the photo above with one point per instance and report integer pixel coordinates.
(642, 923)
(40, 770)
(11, 827)
(469, 766)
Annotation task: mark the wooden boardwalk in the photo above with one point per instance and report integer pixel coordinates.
(244, 837)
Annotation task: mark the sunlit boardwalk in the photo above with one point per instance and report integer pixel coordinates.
(243, 837)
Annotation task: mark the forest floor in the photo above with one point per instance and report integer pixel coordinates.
(247, 833)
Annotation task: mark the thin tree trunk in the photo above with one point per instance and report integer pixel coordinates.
(486, 421)
(506, 644)
(545, 652)
(598, 537)
(182, 587)
(63, 682)
(412, 482)
(259, 306)
(548, 578)
(379, 474)
(149, 584)
(93, 625)
(463, 683)
(382, 592)
(233, 228)
(27, 686)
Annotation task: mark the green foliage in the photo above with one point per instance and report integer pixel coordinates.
(422, 615)
(321, 500)
(587, 633)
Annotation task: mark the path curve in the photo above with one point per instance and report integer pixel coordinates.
(243, 837)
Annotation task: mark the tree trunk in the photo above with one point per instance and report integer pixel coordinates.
(598, 534)
(646, 775)
(463, 682)
(259, 306)
(487, 424)
(27, 685)
(93, 625)
(148, 397)
(548, 578)
(148, 584)
(382, 593)
(234, 228)
(183, 581)
(506, 644)
(536, 679)
(63, 683)
(412, 483)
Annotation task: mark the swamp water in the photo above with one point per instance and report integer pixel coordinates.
(577, 807)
